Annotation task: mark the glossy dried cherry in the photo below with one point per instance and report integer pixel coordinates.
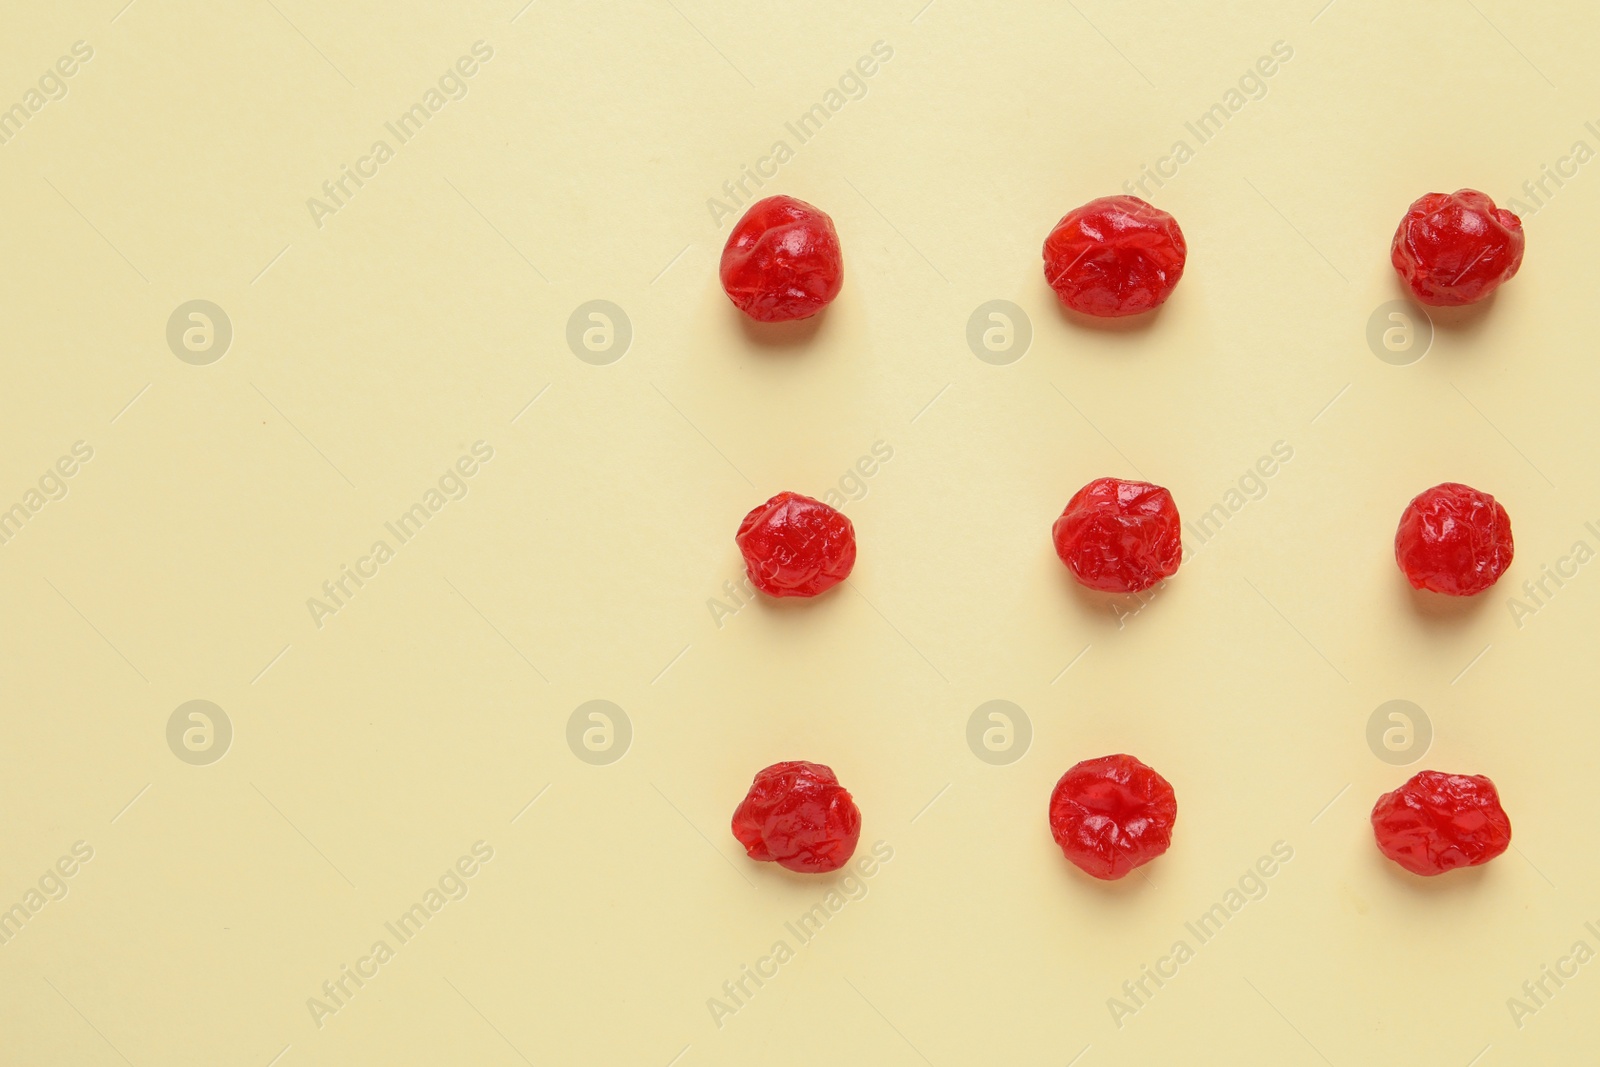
(1114, 256)
(798, 816)
(782, 260)
(1437, 822)
(794, 545)
(1119, 536)
(1112, 814)
(1454, 540)
(1456, 248)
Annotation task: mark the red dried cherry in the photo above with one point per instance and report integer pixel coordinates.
(1112, 814)
(1120, 537)
(796, 546)
(1114, 256)
(1454, 540)
(782, 260)
(1456, 248)
(798, 816)
(1437, 822)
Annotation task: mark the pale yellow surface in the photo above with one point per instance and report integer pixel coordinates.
(369, 754)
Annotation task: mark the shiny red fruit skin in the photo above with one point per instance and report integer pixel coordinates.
(782, 261)
(1120, 537)
(798, 816)
(1112, 814)
(1456, 248)
(1453, 540)
(1437, 822)
(1114, 256)
(796, 546)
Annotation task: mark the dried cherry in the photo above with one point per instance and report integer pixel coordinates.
(798, 816)
(782, 260)
(1119, 536)
(794, 545)
(1112, 814)
(1437, 822)
(1456, 248)
(1453, 539)
(1114, 256)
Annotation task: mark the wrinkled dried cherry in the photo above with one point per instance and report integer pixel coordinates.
(794, 545)
(1119, 536)
(1114, 256)
(782, 260)
(798, 816)
(1112, 814)
(1454, 540)
(1437, 822)
(1456, 248)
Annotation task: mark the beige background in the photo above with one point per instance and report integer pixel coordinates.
(426, 314)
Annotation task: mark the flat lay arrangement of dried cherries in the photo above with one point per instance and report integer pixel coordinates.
(782, 261)
(798, 816)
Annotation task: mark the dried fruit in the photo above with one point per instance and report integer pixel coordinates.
(798, 816)
(1456, 248)
(1454, 540)
(1112, 814)
(796, 546)
(1114, 256)
(1120, 537)
(1437, 822)
(782, 260)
